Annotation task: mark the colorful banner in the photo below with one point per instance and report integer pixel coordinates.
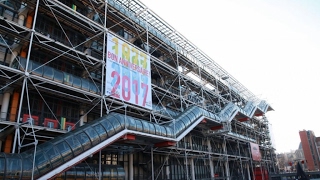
(255, 152)
(128, 73)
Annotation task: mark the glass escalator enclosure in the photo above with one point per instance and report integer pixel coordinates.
(76, 82)
(68, 79)
(42, 161)
(121, 119)
(13, 166)
(58, 76)
(48, 72)
(132, 123)
(158, 129)
(2, 165)
(101, 131)
(145, 125)
(108, 126)
(115, 123)
(37, 69)
(28, 166)
(93, 135)
(53, 154)
(139, 125)
(64, 149)
(152, 129)
(170, 132)
(74, 144)
(84, 140)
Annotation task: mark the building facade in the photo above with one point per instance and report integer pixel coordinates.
(310, 149)
(108, 90)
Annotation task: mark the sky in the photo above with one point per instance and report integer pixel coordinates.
(272, 47)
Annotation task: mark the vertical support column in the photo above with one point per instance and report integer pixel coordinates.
(210, 160)
(193, 175)
(226, 163)
(26, 76)
(167, 167)
(130, 166)
(152, 167)
(126, 166)
(248, 169)
(5, 106)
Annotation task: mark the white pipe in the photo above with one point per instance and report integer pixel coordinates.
(5, 105)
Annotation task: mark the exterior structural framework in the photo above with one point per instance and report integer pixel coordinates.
(108, 90)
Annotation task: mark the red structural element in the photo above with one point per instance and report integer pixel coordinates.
(260, 114)
(261, 173)
(130, 137)
(243, 119)
(165, 144)
(216, 127)
(204, 121)
(51, 123)
(70, 125)
(35, 119)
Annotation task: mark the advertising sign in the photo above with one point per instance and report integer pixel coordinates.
(255, 151)
(128, 73)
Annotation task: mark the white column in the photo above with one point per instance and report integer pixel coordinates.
(210, 160)
(130, 166)
(226, 164)
(167, 167)
(126, 166)
(193, 175)
(5, 105)
(21, 19)
(83, 117)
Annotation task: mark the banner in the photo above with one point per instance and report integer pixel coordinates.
(128, 73)
(255, 151)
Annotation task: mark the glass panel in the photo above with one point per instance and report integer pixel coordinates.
(121, 173)
(36, 69)
(139, 125)
(145, 126)
(67, 79)
(53, 155)
(58, 76)
(120, 118)
(71, 173)
(13, 166)
(163, 131)
(106, 173)
(132, 123)
(74, 144)
(108, 126)
(101, 132)
(80, 172)
(2, 165)
(65, 150)
(152, 130)
(48, 72)
(85, 84)
(93, 88)
(27, 167)
(113, 173)
(93, 135)
(76, 82)
(84, 140)
(158, 130)
(42, 161)
(170, 133)
(115, 123)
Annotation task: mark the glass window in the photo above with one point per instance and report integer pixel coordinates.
(48, 72)
(76, 82)
(67, 79)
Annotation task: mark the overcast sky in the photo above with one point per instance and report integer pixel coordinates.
(272, 47)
